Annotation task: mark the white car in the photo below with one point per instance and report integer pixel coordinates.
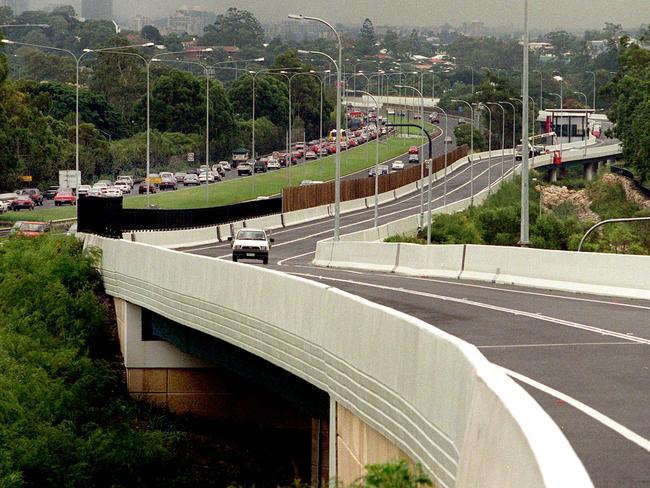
(101, 187)
(125, 179)
(397, 165)
(310, 182)
(94, 192)
(113, 191)
(83, 190)
(4, 206)
(210, 177)
(273, 164)
(123, 186)
(225, 165)
(251, 244)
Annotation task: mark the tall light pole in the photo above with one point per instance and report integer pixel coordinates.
(593, 105)
(147, 63)
(77, 62)
(421, 150)
(561, 100)
(524, 239)
(503, 134)
(514, 132)
(376, 163)
(489, 147)
(337, 181)
(541, 85)
(444, 183)
(254, 75)
(471, 150)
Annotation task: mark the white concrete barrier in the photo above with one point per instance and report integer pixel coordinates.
(434, 396)
(417, 260)
(177, 238)
(601, 274)
(305, 215)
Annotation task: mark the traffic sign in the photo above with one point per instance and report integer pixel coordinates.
(190, 157)
(26, 178)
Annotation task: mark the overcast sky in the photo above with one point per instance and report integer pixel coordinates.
(546, 14)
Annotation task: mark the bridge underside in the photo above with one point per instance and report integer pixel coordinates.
(187, 371)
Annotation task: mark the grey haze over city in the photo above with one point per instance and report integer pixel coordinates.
(548, 14)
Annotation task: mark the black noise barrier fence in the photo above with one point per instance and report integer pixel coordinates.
(106, 217)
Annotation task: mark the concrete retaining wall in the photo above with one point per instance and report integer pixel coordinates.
(434, 396)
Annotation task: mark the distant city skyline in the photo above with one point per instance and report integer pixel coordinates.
(507, 14)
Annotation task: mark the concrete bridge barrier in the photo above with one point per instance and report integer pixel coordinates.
(432, 395)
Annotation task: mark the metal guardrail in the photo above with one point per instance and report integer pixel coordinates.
(609, 221)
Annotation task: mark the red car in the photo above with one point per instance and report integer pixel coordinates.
(22, 201)
(352, 143)
(152, 188)
(30, 229)
(413, 150)
(331, 148)
(65, 196)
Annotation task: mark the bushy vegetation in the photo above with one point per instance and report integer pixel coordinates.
(497, 222)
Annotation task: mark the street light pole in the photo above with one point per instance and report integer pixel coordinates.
(560, 97)
(514, 132)
(489, 147)
(337, 180)
(421, 151)
(594, 99)
(524, 239)
(503, 135)
(444, 183)
(471, 150)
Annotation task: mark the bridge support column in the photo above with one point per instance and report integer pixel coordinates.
(552, 174)
(358, 444)
(589, 171)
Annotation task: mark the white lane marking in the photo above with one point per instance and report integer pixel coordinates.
(511, 346)
(510, 311)
(280, 263)
(633, 437)
(473, 285)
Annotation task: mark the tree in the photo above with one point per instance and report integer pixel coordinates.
(271, 98)
(6, 15)
(462, 133)
(391, 42)
(366, 45)
(151, 33)
(121, 79)
(562, 41)
(267, 134)
(631, 109)
(235, 27)
(43, 66)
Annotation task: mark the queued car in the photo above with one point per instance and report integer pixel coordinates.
(225, 165)
(324, 151)
(180, 177)
(30, 229)
(414, 158)
(22, 202)
(5, 201)
(65, 196)
(191, 179)
(310, 155)
(434, 118)
(152, 188)
(4, 206)
(259, 166)
(33, 193)
(209, 176)
(273, 164)
(50, 193)
(251, 244)
(167, 183)
(413, 150)
(112, 192)
(310, 182)
(383, 170)
(397, 165)
(244, 168)
(123, 186)
(83, 190)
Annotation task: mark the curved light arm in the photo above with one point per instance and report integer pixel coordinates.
(52, 48)
(302, 51)
(609, 221)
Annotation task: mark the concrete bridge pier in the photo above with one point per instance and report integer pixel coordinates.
(589, 171)
(553, 174)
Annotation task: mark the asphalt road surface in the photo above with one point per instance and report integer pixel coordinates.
(585, 359)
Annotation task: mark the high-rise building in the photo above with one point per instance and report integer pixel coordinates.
(189, 21)
(97, 9)
(16, 6)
